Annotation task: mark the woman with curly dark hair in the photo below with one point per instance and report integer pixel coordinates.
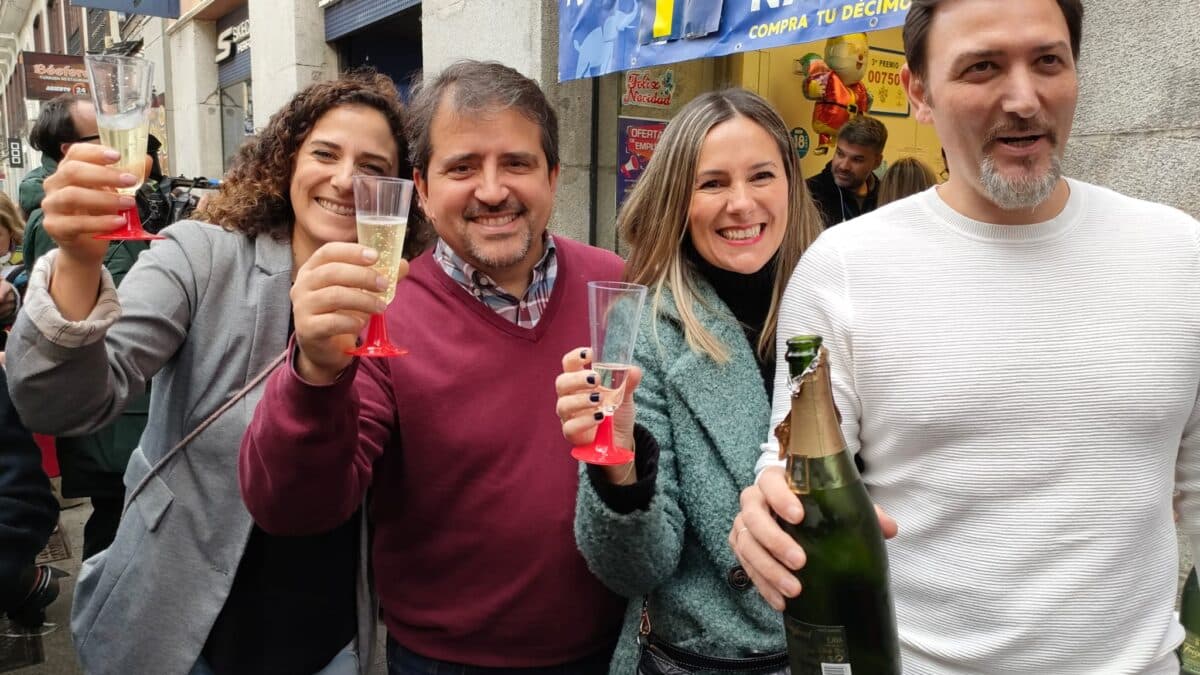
(190, 585)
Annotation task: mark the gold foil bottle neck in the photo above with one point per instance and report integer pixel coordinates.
(812, 429)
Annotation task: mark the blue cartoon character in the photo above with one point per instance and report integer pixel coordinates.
(596, 49)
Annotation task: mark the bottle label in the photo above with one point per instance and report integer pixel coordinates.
(797, 475)
(1189, 654)
(823, 649)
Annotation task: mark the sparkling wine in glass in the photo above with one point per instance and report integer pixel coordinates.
(381, 211)
(614, 313)
(121, 87)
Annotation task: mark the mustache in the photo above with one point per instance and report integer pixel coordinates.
(1023, 127)
(510, 205)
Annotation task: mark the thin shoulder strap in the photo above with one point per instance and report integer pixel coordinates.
(237, 396)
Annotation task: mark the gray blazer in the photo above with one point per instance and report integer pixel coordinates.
(202, 313)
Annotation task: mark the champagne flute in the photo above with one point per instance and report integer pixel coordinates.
(614, 314)
(381, 211)
(121, 91)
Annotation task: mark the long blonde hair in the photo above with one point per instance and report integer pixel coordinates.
(907, 176)
(10, 219)
(654, 219)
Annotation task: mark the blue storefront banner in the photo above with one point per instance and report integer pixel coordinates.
(165, 8)
(604, 36)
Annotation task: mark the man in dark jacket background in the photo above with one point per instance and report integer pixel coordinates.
(28, 512)
(847, 188)
(93, 465)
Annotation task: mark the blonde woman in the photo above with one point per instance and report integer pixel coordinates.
(907, 176)
(12, 233)
(715, 226)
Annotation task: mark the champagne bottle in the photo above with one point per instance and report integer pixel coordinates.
(1189, 616)
(843, 622)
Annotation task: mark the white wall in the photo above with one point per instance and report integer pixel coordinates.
(193, 103)
(288, 52)
(522, 34)
(1137, 127)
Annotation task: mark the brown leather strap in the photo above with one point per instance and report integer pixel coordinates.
(237, 396)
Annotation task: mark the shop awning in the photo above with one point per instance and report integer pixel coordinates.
(604, 36)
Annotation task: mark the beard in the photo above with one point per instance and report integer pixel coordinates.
(499, 255)
(1028, 189)
(1020, 192)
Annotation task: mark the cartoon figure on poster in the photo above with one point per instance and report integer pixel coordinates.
(835, 83)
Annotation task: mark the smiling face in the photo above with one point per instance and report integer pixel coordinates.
(739, 206)
(489, 191)
(346, 140)
(1001, 93)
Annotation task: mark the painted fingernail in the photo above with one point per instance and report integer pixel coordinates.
(128, 179)
(111, 155)
(594, 397)
(599, 416)
(591, 379)
(381, 282)
(370, 254)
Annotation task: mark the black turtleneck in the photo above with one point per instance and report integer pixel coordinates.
(748, 296)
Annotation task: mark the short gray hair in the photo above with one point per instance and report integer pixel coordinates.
(477, 86)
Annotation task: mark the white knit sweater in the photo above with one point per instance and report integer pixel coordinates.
(1023, 397)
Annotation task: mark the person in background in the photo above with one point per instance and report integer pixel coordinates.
(471, 484)
(847, 187)
(91, 465)
(63, 122)
(12, 233)
(907, 176)
(1017, 355)
(715, 226)
(28, 513)
(189, 584)
(66, 119)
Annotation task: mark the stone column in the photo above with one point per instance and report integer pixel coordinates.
(288, 52)
(522, 34)
(1137, 125)
(193, 100)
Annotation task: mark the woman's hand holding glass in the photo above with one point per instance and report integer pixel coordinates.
(331, 309)
(82, 201)
(580, 408)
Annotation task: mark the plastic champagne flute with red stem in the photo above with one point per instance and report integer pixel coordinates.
(614, 314)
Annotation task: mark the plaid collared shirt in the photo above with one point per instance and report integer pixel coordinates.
(526, 311)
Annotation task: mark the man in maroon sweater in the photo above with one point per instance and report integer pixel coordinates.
(470, 483)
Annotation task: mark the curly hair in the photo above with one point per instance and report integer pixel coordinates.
(254, 198)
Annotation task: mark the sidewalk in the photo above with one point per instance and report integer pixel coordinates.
(54, 654)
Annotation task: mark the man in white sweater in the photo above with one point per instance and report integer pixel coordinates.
(1016, 357)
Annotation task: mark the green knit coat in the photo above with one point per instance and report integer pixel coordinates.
(709, 421)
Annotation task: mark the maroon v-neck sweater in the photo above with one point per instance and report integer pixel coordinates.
(472, 485)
